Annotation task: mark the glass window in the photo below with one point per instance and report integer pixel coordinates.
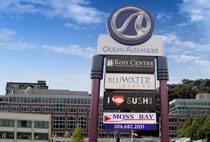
(204, 112)
(71, 122)
(41, 136)
(172, 128)
(72, 109)
(36, 109)
(25, 108)
(192, 111)
(182, 119)
(6, 123)
(83, 121)
(6, 135)
(59, 121)
(124, 135)
(41, 124)
(59, 108)
(24, 123)
(14, 108)
(100, 122)
(103, 135)
(46, 109)
(82, 109)
(24, 135)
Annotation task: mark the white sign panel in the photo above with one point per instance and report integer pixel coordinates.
(108, 46)
(129, 121)
(129, 81)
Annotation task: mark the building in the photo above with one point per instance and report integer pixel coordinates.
(66, 108)
(20, 127)
(182, 109)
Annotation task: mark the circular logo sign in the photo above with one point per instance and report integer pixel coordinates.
(130, 25)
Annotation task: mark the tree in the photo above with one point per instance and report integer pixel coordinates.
(197, 128)
(77, 135)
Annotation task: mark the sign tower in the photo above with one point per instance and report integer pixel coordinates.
(130, 51)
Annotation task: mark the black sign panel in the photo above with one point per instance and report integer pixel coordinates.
(129, 101)
(131, 64)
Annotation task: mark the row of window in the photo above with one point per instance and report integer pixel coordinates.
(59, 121)
(48, 109)
(50, 100)
(24, 135)
(24, 123)
(191, 111)
(192, 103)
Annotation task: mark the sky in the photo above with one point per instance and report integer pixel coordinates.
(54, 40)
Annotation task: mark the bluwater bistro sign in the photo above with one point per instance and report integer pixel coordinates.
(129, 101)
(129, 121)
(131, 64)
(120, 81)
(108, 46)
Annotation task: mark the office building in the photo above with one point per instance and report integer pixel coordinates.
(182, 109)
(66, 108)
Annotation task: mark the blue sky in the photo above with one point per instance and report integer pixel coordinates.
(54, 40)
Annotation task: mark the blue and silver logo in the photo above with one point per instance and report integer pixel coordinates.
(130, 25)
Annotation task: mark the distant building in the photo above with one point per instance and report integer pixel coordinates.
(66, 108)
(182, 109)
(18, 127)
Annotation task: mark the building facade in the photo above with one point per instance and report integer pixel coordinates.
(66, 108)
(24, 127)
(182, 109)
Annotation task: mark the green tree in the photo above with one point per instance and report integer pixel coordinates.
(77, 135)
(206, 128)
(184, 131)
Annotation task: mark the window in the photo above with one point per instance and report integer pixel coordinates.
(25, 108)
(41, 136)
(36, 109)
(59, 121)
(204, 112)
(14, 108)
(100, 122)
(182, 119)
(102, 135)
(172, 120)
(47, 109)
(24, 124)
(172, 127)
(59, 134)
(41, 124)
(24, 135)
(71, 122)
(82, 110)
(6, 135)
(3, 106)
(59, 108)
(6, 123)
(83, 121)
(124, 135)
(193, 111)
(72, 109)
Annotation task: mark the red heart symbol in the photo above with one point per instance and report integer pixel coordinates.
(118, 100)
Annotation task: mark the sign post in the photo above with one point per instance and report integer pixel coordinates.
(96, 76)
(163, 77)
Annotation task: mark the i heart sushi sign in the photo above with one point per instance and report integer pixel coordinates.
(129, 101)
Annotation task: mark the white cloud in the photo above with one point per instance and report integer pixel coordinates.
(72, 50)
(6, 34)
(183, 58)
(174, 45)
(78, 10)
(73, 26)
(164, 16)
(198, 12)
